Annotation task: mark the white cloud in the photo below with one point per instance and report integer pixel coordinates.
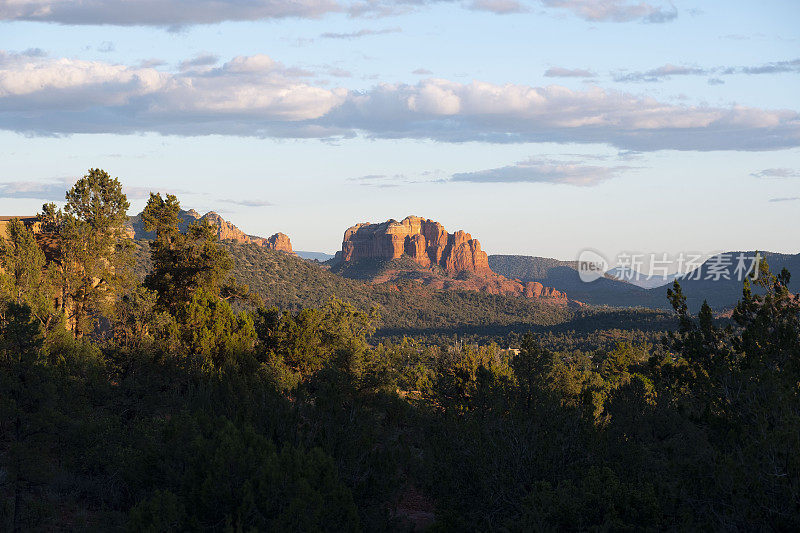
(380, 181)
(450, 111)
(257, 96)
(544, 171)
(56, 189)
(93, 96)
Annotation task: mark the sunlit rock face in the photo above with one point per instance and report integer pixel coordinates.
(424, 240)
(225, 231)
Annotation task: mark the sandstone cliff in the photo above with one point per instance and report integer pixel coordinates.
(225, 231)
(437, 258)
(425, 241)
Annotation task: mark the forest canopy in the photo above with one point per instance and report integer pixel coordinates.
(176, 400)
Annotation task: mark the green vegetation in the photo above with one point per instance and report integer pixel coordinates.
(178, 406)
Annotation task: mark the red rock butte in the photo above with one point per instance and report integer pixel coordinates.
(424, 240)
(430, 245)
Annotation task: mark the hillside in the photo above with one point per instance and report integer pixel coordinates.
(290, 282)
(407, 307)
(563, 276)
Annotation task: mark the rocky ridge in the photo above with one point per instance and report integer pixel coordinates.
(225, 231)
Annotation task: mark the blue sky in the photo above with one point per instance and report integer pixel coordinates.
(542, 127)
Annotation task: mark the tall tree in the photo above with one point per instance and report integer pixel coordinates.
(94, 249)
(23, 279)
(184, 262)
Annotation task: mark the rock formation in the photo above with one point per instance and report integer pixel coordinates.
(445, 260)
(425, 241)
(225, 231)
(280, 242)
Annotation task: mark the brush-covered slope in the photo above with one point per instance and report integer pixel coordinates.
(289, 282)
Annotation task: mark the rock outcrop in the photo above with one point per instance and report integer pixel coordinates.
(280, 242)
(423, 240)
(225, 231)
(441, 260)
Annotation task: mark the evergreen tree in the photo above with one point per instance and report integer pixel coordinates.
(95, 252)
(24, 278)
(184, 262)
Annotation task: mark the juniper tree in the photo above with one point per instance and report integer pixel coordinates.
(24, 279)
(183, 262)
(95, 253)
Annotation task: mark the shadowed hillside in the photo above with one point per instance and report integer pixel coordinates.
(290, 282)
(722, 294)
(562, 275)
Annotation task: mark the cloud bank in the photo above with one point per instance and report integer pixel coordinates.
(176, 13)
(360, 33)
(667, 71)
(257, 96)
(36, 190)
(560, 72)
(544, 171)
(161, 12)
(54, 190)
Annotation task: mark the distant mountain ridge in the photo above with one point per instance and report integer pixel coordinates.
(314, 256)
(723, 293)
(698, 285)
(639, 279)
(225, 231)
(563, 276)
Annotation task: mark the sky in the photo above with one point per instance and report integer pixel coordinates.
(542, 127)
